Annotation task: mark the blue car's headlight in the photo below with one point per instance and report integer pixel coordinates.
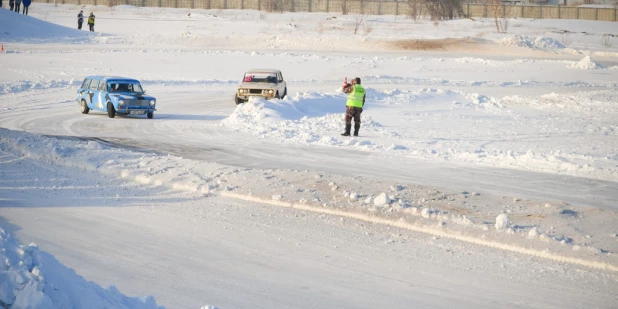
(152, 103)
(121, 102)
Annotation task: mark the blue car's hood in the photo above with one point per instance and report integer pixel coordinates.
(130, 96)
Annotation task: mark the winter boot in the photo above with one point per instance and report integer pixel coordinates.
(348, 127)
(356, 128)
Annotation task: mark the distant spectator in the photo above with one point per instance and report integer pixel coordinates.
(91, 21)
(11, 4)
(80, 20)
(26, 5)
(17, 5)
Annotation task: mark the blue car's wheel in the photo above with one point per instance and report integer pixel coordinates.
(84, 107)
(150, 115)
(111, 112)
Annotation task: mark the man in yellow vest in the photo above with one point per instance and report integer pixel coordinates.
(354, 105)
(91, 22)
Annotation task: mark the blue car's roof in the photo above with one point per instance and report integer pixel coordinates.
(101, 77)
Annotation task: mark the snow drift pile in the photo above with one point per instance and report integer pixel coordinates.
(31, 278)
(539, 43)
(586, 64)
(19, 27)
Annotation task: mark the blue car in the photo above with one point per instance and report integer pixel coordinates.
(115, 95)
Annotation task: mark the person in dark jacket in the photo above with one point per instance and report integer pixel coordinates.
(26, 5)
(11, 5)
(80, 20)
(17, 5)
(91, 21)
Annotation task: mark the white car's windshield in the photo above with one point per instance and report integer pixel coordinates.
(124, 87)
(260, 78)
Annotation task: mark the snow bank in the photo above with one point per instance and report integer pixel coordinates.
(31, 278)
(382, 200)
(586, 64)
(19, 27)
(502, 222)
(307, 105)
(308, 118)
(539, 43)
(309, 191)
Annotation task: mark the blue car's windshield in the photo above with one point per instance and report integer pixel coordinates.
(124, 87)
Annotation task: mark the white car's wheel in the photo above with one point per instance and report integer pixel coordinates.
(238, 100)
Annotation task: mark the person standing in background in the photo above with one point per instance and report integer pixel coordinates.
(80, 20)
(17, 5)
(26, 5)
(354, 105)
(11, 4)
(91, 21)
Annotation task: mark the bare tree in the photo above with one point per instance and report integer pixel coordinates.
(606, 40)
(368, 28)
(274, 5)
(499, 12)
(438, 9)
(417, 8)
(358, 21)
(345, 7)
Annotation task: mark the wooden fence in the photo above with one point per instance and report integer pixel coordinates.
(360, 7)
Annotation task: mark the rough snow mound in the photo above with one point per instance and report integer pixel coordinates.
(539, 43)
(586, 64)
(311, 105)
(502, 222)
(308, 118)
(31, 278)
(19, 27)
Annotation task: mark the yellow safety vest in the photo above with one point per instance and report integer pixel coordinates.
(91, 20)
(355, 98)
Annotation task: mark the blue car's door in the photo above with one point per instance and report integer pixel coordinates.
(101, 93)
(93, 95)
(83, 90)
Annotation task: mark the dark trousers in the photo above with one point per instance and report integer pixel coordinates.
(353, 113)
(25, 10)
(17, 7)
(79, 24)
(91, 27)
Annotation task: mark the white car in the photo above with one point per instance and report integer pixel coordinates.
(263, 83)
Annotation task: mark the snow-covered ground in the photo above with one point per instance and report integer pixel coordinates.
(485, 161)
(32, 278)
